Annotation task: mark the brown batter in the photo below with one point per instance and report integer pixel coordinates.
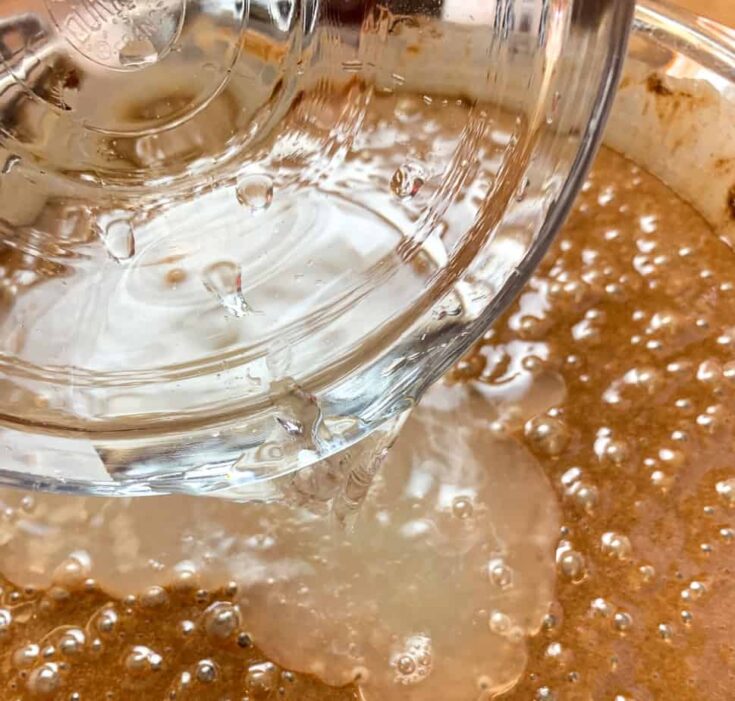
(635, 308)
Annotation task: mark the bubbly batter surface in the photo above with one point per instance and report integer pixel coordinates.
(623, 341)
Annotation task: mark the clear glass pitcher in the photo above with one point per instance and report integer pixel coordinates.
(238, 237)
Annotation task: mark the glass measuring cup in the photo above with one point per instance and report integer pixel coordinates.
(239, 237)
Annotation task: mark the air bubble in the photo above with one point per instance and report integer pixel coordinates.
(187, 627)
(462, 507)
(206, 671)
(499, 623)
(622, 621)
(585, 496)
(616, 545)
(665, 631)
(601, 607)
(255, 192)
(72, 642)
(555, 651)
(223, 280)
(261, 680)
(547, 434)
(154, 596)
(726, 491)
(26, 655)
(119, 240)
(500, 574)
(44, 680)
(221, 619)
(406, 665)
(407, 180)
(570, 563)
(107, 620)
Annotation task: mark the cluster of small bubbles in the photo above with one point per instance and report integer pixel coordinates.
(462, 507)
(584, 495)
(616, 545)
(221, 619)
(44, 680)
(143, 660)
(500, 574)
(712, 419)
(694, 591)
(549, 435)
(414, 661)
(407, 180)
(206, 671)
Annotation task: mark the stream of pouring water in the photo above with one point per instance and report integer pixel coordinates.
(446, 569)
